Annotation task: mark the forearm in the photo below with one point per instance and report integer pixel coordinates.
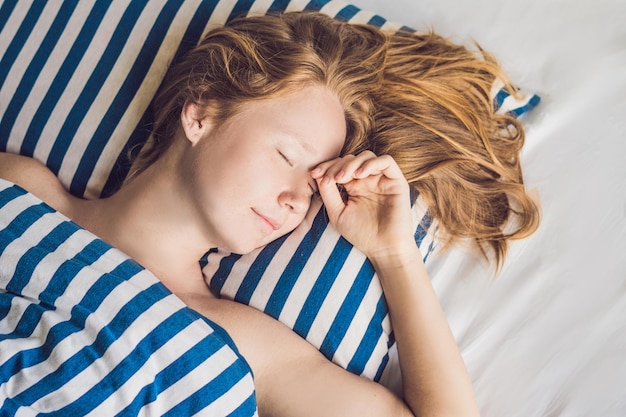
(435, 379)
(377, 219)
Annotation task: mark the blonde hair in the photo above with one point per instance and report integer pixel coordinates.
(415, 96)
(436, 118)
(256, 58)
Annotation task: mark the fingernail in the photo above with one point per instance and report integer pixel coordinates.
(340, 175)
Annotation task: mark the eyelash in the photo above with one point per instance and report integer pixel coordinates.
(314, 190)
(285, 158)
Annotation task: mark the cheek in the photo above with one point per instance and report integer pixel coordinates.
(291, 224)
(294, 221)
(232, 179)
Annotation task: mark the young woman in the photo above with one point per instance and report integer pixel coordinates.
(262, 115)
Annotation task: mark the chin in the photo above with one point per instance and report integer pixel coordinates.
(241, 248)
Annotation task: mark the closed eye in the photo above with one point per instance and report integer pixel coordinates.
(285, 158)
(312, 185)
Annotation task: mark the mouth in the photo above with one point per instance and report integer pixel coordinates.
(269, 222)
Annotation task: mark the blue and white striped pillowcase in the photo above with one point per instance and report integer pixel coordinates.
(81, 76)
(83, 329)
(514, 105)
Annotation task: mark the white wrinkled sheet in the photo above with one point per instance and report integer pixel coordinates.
(548, 336)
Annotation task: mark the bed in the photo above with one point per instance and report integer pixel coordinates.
(546, 336)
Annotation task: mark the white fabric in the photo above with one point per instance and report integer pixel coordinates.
(547, 335)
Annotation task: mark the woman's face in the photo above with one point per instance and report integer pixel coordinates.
(250, 177)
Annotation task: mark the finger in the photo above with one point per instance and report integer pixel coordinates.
(331, 197)
(352, 165)
(320, 170)
(349, 167)
(342, 169)
(325, 167)
(337, 170)
(382, 165)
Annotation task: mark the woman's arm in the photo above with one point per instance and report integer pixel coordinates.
(291, 377)
(376, 218)
(435, 380)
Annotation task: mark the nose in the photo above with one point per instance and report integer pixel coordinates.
(296, 197)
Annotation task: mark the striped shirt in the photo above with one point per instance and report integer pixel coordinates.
(84, 330)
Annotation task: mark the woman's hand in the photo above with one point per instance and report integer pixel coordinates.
(376, 216)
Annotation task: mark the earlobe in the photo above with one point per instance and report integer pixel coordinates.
(194, 122)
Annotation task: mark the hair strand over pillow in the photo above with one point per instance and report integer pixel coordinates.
(436, 117)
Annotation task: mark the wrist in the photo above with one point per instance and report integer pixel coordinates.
(395, 256)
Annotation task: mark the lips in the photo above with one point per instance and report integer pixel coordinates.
(271, 223)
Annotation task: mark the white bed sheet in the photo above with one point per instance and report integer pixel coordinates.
(547, 337)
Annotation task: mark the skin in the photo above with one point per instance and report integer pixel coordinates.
(176, 210)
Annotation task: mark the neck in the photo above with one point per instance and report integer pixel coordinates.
(151, 221)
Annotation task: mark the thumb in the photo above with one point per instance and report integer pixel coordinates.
(331, 197)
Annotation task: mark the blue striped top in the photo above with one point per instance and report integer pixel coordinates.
(84, 330)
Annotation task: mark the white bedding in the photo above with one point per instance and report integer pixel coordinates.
(547, 337)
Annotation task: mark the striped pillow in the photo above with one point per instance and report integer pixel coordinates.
(76, 83)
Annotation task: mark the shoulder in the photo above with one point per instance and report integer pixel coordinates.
(36, 178)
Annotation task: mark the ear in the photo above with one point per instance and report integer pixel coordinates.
(195, 122)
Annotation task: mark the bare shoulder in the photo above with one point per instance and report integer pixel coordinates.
(36, 178)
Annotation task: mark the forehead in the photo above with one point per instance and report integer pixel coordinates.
(312, 117)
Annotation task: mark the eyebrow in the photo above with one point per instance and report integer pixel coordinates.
(303, 144)
(299, 140)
